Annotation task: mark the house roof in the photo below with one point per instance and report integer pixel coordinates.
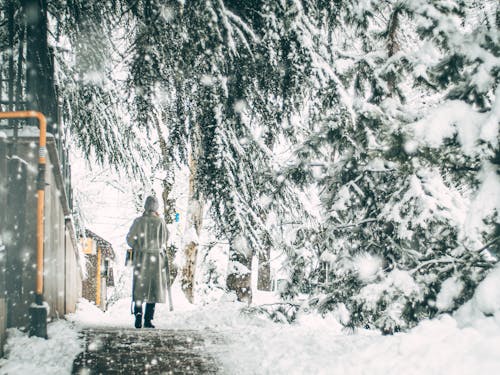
(105, 246)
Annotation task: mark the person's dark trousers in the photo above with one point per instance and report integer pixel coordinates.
(137, 308)
(149, 315)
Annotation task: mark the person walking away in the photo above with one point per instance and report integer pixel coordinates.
(147, 237)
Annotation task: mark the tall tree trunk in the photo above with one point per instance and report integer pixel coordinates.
(264, 270)
(194, 221)
(264, 267)
(11, 13)
(168, 204)
(20, 58)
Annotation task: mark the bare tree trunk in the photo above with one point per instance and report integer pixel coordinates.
(264, 268)
(168, 204)
(264, 271)
(10, 11)
(168, 214)
(188, 272)
(194, 222)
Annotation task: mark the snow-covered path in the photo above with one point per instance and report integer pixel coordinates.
(148, 351)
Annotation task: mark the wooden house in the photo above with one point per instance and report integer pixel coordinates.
(99, 256)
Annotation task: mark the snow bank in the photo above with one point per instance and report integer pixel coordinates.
(34, 355)
(319, 346)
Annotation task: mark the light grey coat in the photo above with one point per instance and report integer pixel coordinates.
(148, 236)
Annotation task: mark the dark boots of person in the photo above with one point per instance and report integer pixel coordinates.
(148, 315)
(138, 320)
(138, 315)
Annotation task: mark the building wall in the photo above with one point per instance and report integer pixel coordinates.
(73, 281)
(3, 324)
(54, 249)
(90, 284)
(3, 202)
(18, 200)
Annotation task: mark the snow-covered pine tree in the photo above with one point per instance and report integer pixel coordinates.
(466, 73)
(459, 134)
(368, 259)
(392, 230)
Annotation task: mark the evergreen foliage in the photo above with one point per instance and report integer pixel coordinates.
(394, 228)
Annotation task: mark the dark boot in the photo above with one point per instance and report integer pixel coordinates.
(148, 315)
(138, 315)
(138, 320)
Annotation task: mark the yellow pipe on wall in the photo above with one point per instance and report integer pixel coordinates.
(98, 278)
(42, 152)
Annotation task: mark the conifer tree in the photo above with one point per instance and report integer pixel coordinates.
(388, 209)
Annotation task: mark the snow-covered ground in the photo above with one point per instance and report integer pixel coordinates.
(466, 343)
(35, 355)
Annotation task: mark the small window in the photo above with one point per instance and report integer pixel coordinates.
(105, 269)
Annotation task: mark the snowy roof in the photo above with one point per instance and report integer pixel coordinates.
(105, 246)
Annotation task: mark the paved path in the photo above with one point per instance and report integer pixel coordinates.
(145, 351)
